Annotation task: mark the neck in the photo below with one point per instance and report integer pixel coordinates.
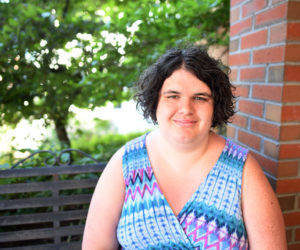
(181, 153)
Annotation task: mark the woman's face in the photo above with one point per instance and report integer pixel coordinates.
(185, 108)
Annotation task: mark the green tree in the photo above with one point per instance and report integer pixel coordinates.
(58, 53)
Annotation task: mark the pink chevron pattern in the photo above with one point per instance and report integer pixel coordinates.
(211, 219)
(138, 174)
(137, 190)
(213, 236)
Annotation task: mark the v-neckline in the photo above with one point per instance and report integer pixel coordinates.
(193, 196)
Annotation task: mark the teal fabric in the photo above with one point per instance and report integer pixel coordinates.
(211, 219)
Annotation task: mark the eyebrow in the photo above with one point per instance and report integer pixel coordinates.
(177, 93)
(203, 93)
(170, 92)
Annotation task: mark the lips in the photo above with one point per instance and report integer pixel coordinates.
(185, 123)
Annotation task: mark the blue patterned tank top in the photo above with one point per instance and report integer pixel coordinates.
(211, 219)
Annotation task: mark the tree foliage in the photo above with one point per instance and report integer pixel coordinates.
(83, 52)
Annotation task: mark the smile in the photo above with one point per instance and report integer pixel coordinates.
(185, 123)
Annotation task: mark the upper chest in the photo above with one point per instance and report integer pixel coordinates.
(178, 180)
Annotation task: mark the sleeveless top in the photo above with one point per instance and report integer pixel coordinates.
(211, 219)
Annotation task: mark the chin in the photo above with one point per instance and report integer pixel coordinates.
(185, 138)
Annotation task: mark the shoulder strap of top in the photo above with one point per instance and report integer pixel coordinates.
(234, 155)
(134, 151)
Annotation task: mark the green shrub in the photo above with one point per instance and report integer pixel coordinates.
(104, 146)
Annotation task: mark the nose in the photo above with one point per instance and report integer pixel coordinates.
(186, 106)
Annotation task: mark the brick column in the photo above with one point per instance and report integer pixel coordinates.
(265, 62)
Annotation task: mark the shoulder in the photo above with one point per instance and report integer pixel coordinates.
(105, 207)
(116, 159)
(114, 165)
(111, 179)
(254, 177)
(261, 211)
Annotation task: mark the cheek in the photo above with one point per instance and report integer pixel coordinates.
(158, 111)
(207, 114)
(211, 116)
(164, 111)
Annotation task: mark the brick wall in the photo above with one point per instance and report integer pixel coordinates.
(265, 62)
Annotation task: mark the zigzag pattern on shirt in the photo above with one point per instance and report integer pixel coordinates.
(138, 174)
(200, 214)
(211, 219)
(208, 236)
(233, 155)
(130, 192)
(210, 228)
(170, 246)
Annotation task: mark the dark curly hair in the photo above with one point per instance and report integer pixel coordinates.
(198, 62)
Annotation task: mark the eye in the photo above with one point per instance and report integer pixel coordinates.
(200, 98)
(173, 96)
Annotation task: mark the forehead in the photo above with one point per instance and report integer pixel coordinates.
(182, 80)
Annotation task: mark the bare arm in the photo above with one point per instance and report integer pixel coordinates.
(262, 214)
(105, 208)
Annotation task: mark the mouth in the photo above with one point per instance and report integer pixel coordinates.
(185, 123)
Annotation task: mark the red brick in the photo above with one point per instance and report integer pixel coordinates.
(242, 90)
(288, 186)
(268, 55)
(265, 128)
(293, 10)
(297, 234)
(255, 39)
(292, 52)
(290, 114)
(287, 202)
(267, 164)
(276, 74)
(234, 15)
(289, 234)
(294, 246)
(235, 2)
(267, 92)
(239, 120)
(276, 1)
(234, 45)
(252, 108)
(230, 131)
(278, 33)
(240, 27)
(239, 59)
(293, 31)
(290, 132)
(273, 112)
(271, 149)
(287, 169)
(249, 139)
(299, 201)
(233, 75)
(288, 151)
(253, 6)
(272, 15)
(291, 93)
(292, 73)
(252, 74)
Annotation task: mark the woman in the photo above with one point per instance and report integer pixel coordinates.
(182, 186)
